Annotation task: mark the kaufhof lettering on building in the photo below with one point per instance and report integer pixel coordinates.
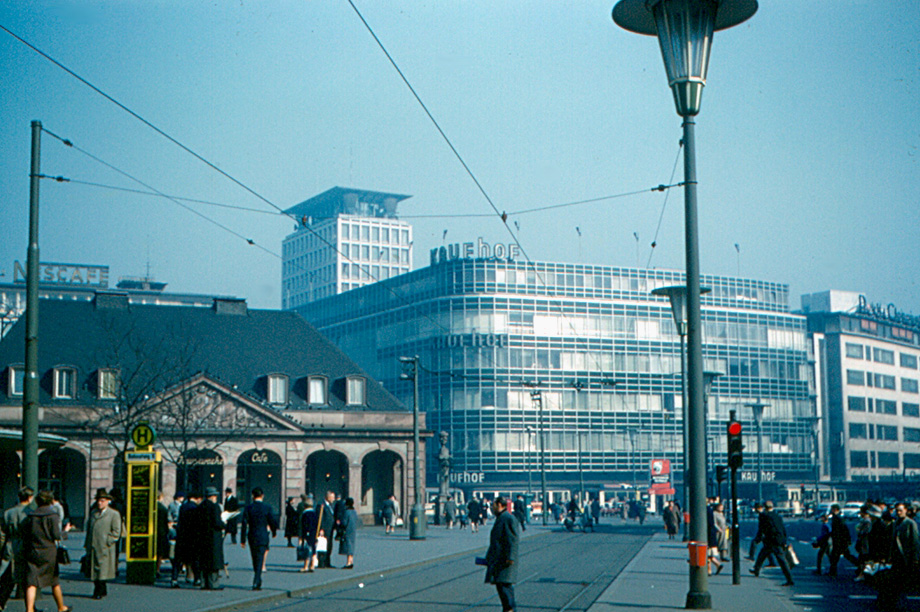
(467, 477)
(58, 274)
(478, 250)
(461, 340)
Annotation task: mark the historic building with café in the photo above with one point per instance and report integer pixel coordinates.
(584, 357)
(239, 398)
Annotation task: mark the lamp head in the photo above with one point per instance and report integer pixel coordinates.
(684, 29)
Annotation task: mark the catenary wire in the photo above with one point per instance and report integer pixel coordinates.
(664, 205)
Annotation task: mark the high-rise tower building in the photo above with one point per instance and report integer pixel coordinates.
(345, 238)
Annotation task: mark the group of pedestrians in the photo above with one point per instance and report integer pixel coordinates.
(887, 548)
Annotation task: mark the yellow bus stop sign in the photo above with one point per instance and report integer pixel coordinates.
(143, 435)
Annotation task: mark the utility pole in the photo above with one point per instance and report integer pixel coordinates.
(30, 380)
(537, 397)
(417, 518)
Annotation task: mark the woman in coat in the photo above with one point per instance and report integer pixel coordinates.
(349, 531)
(41, 533)
(291, 521)
(103, 531)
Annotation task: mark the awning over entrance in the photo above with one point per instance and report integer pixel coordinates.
(11, 440)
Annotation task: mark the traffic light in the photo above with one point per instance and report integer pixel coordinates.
(721, 473)
(735, 446)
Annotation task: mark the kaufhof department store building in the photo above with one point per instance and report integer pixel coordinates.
(603, 353)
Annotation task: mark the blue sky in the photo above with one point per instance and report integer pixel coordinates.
(807, 142)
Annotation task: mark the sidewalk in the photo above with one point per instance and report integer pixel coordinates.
(377, 554)
(657, 579)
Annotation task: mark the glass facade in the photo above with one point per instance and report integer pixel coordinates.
(584, 354)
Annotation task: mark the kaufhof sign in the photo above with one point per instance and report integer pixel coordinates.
(63, 274)
(474, 250)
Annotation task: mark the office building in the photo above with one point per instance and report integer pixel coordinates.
(344, 239)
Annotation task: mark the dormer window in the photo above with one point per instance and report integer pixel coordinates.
(16, 379)
(355, 387)
(316, 390)
(65, 383)
(107, 384)
(277, 389)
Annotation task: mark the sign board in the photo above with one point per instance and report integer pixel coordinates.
(141, 518)
(67, 275)
(143, 435)
(660, 477)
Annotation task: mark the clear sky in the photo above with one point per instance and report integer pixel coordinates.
(807, 142)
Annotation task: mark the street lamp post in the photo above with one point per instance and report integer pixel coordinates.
(529, 431)
(684, 29)
(677, 296)
(417, 518)
(633, 434)
(537, 397)
(709, 378)
(758, 408)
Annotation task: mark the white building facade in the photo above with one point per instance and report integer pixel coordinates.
(344, 239)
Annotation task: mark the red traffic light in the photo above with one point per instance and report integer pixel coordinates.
(734, 428)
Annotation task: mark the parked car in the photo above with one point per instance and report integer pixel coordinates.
(821, 510)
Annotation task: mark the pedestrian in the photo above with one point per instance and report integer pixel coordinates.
(520, 511)
(863, 529)
(187, 528)
(822, 543)
(772, 533)
(173, 515)
(474, 509)
(501, 558)
(231, 504)
(348, 531)
(291, 521)
(596, 510)
(211, 541)
(11, 529)
(41, 534)
(326, 520)
(258, 523)
(309, 522)
(905, 561)
(338, 511)
(162, 544)
(388, 512)
(450, 512)
(671, 517)
(758, 510)
(717, 536)
(641, 511)
(840, 541)
(103, 531)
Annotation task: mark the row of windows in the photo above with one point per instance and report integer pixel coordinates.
(370, 273)
(860, 378)
(879, 355)
(374, 233)
(882, 406)
(374, 253)
(889, 433)
(882, 330)
(108, 386)
(884, 460)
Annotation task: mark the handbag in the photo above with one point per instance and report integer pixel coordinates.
(304, 552)
(791, 558)
(63, 556)
(321, 544)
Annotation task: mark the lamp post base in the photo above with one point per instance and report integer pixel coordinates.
(699, 601)
(417, 522)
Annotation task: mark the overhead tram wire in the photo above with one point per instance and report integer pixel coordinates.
(664, 205)
(502, 215)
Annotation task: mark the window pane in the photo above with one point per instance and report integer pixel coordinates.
(277, 389)
(856, 404)
(888, 460)
(108, 384)
(17, 377)
(64, 380)
(909, 385)
(355, 392)
(854, 351)
(883, 356)
(855, 377)
(910, 410)
(859, 459)
(908, 361)
(317, 391)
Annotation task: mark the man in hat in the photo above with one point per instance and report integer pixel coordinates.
(103, 531)
(211, 541)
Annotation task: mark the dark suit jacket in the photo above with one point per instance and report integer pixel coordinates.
(327, 519)
(258, 519)
(771, 529)
(210, 547)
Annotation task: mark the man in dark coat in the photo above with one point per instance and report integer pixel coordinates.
(258, 522)
(187, 528)
(231, 504)
(326, 520)
(309, 527)
(13, 519)
(840, 541)
(520, 511)
(502, 556)
(475, 513)
(772, 532)
(211, 541)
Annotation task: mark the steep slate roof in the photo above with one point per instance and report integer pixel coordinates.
(238, 349)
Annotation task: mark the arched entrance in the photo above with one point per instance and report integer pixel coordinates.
(200, 468)
(260, 468)
(10, 474)
(327, 471)
(63, 470)
(381, 476)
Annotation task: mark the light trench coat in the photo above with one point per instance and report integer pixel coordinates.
(102, 534)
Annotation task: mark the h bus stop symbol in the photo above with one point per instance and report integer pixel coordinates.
(143, 435)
